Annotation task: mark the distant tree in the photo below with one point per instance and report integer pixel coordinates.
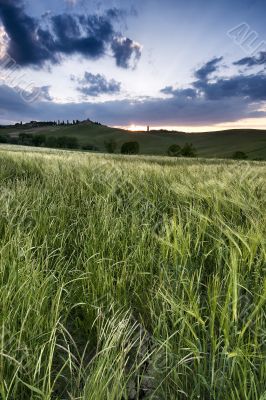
(67, 142)
(188, 150)
(61, 142)
(51, 141)
(25, 139)
(72, 142)
(39, 140)
(240, 155)
(111, 146)
(13, 140)
(4, 138)
(90, 147)
(130, 148)
(22, 137)
(174, 150)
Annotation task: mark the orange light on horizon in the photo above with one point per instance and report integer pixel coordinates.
(249, 123)
(133, 128)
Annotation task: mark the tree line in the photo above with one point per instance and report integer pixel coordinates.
(40, 140)
(40, 124)
(188, 150)
(133, 148)
(111, 146)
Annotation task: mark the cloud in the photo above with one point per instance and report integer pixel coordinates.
(24, 45)
(188, 93)
(95, 85)
(252, 87)
(257, 60)
(171, 111)
(126, 52)
(11, 102)
(207, 69)
(71, 2)
(156, 111)
(203, 102)
(249, 87)
(31, 42)
(44, 93)
(116, 13)
(219, 95)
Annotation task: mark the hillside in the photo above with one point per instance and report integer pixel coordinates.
(208, 144)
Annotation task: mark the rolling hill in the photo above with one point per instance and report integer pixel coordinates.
(220, 144)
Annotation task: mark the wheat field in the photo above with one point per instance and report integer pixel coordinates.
(131, 277)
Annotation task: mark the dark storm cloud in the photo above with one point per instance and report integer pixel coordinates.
(33, 43)
(24, 45)
(95, 85)
(207, 69)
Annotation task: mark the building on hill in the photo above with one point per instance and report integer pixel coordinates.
(86, 122)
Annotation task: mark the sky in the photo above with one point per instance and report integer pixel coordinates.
(188, 65)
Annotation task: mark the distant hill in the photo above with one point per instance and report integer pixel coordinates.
(208, 144)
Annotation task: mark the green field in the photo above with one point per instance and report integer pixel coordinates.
(209, 144)
(131, 277)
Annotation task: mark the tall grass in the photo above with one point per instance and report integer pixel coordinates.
(130, 278)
